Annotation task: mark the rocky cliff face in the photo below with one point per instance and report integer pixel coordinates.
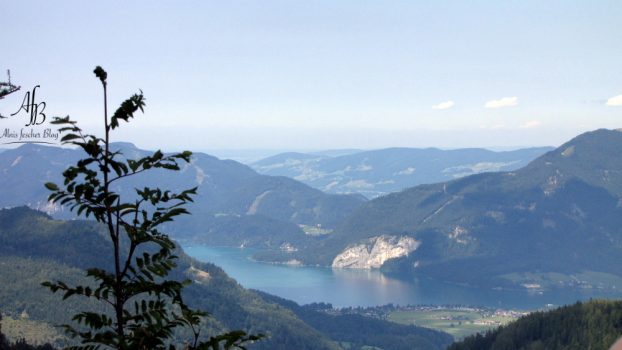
(373, 252)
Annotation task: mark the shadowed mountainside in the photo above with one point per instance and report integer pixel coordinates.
(35, 248)
(234, 205)
(559, 214)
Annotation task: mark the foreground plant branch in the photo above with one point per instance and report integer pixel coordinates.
(146, 307)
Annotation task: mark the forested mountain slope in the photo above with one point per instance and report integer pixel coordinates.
(234, 205)
(35, 248)
(594, 325)
(559, 214)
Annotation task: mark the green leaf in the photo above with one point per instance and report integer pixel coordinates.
(51, 186)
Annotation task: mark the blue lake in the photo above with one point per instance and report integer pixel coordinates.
(346, 287)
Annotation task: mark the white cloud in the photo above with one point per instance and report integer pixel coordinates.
(615, 101)
(503, 102)
(444, 105)
(531, 124)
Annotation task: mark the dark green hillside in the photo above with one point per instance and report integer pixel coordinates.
(34, 248)
(560, 214)
(593, 157)
(362, 332)
(32, 234)
(288, 200)
(249, 230)
(62, 250)
(594, 325)
(21, 291)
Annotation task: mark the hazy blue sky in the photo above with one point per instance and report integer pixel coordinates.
(326, 74)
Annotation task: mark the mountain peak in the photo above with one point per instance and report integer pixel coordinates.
(559, 214)
(122, 145)
(589, 156)
(599, 136)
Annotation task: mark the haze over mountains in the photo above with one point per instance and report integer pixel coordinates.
(232, 197)
(236, 205)
(378, 172)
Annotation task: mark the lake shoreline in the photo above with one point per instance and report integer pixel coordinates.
(371, 288)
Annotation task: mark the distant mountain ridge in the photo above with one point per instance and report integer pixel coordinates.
(379, 172)
(561, 214)
(231, 196)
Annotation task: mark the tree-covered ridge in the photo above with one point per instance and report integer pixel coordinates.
(264, 211)
(35, 248)
(593, 325)
(361, 332)
(224, 186)
(560, 214)
(32, 234)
